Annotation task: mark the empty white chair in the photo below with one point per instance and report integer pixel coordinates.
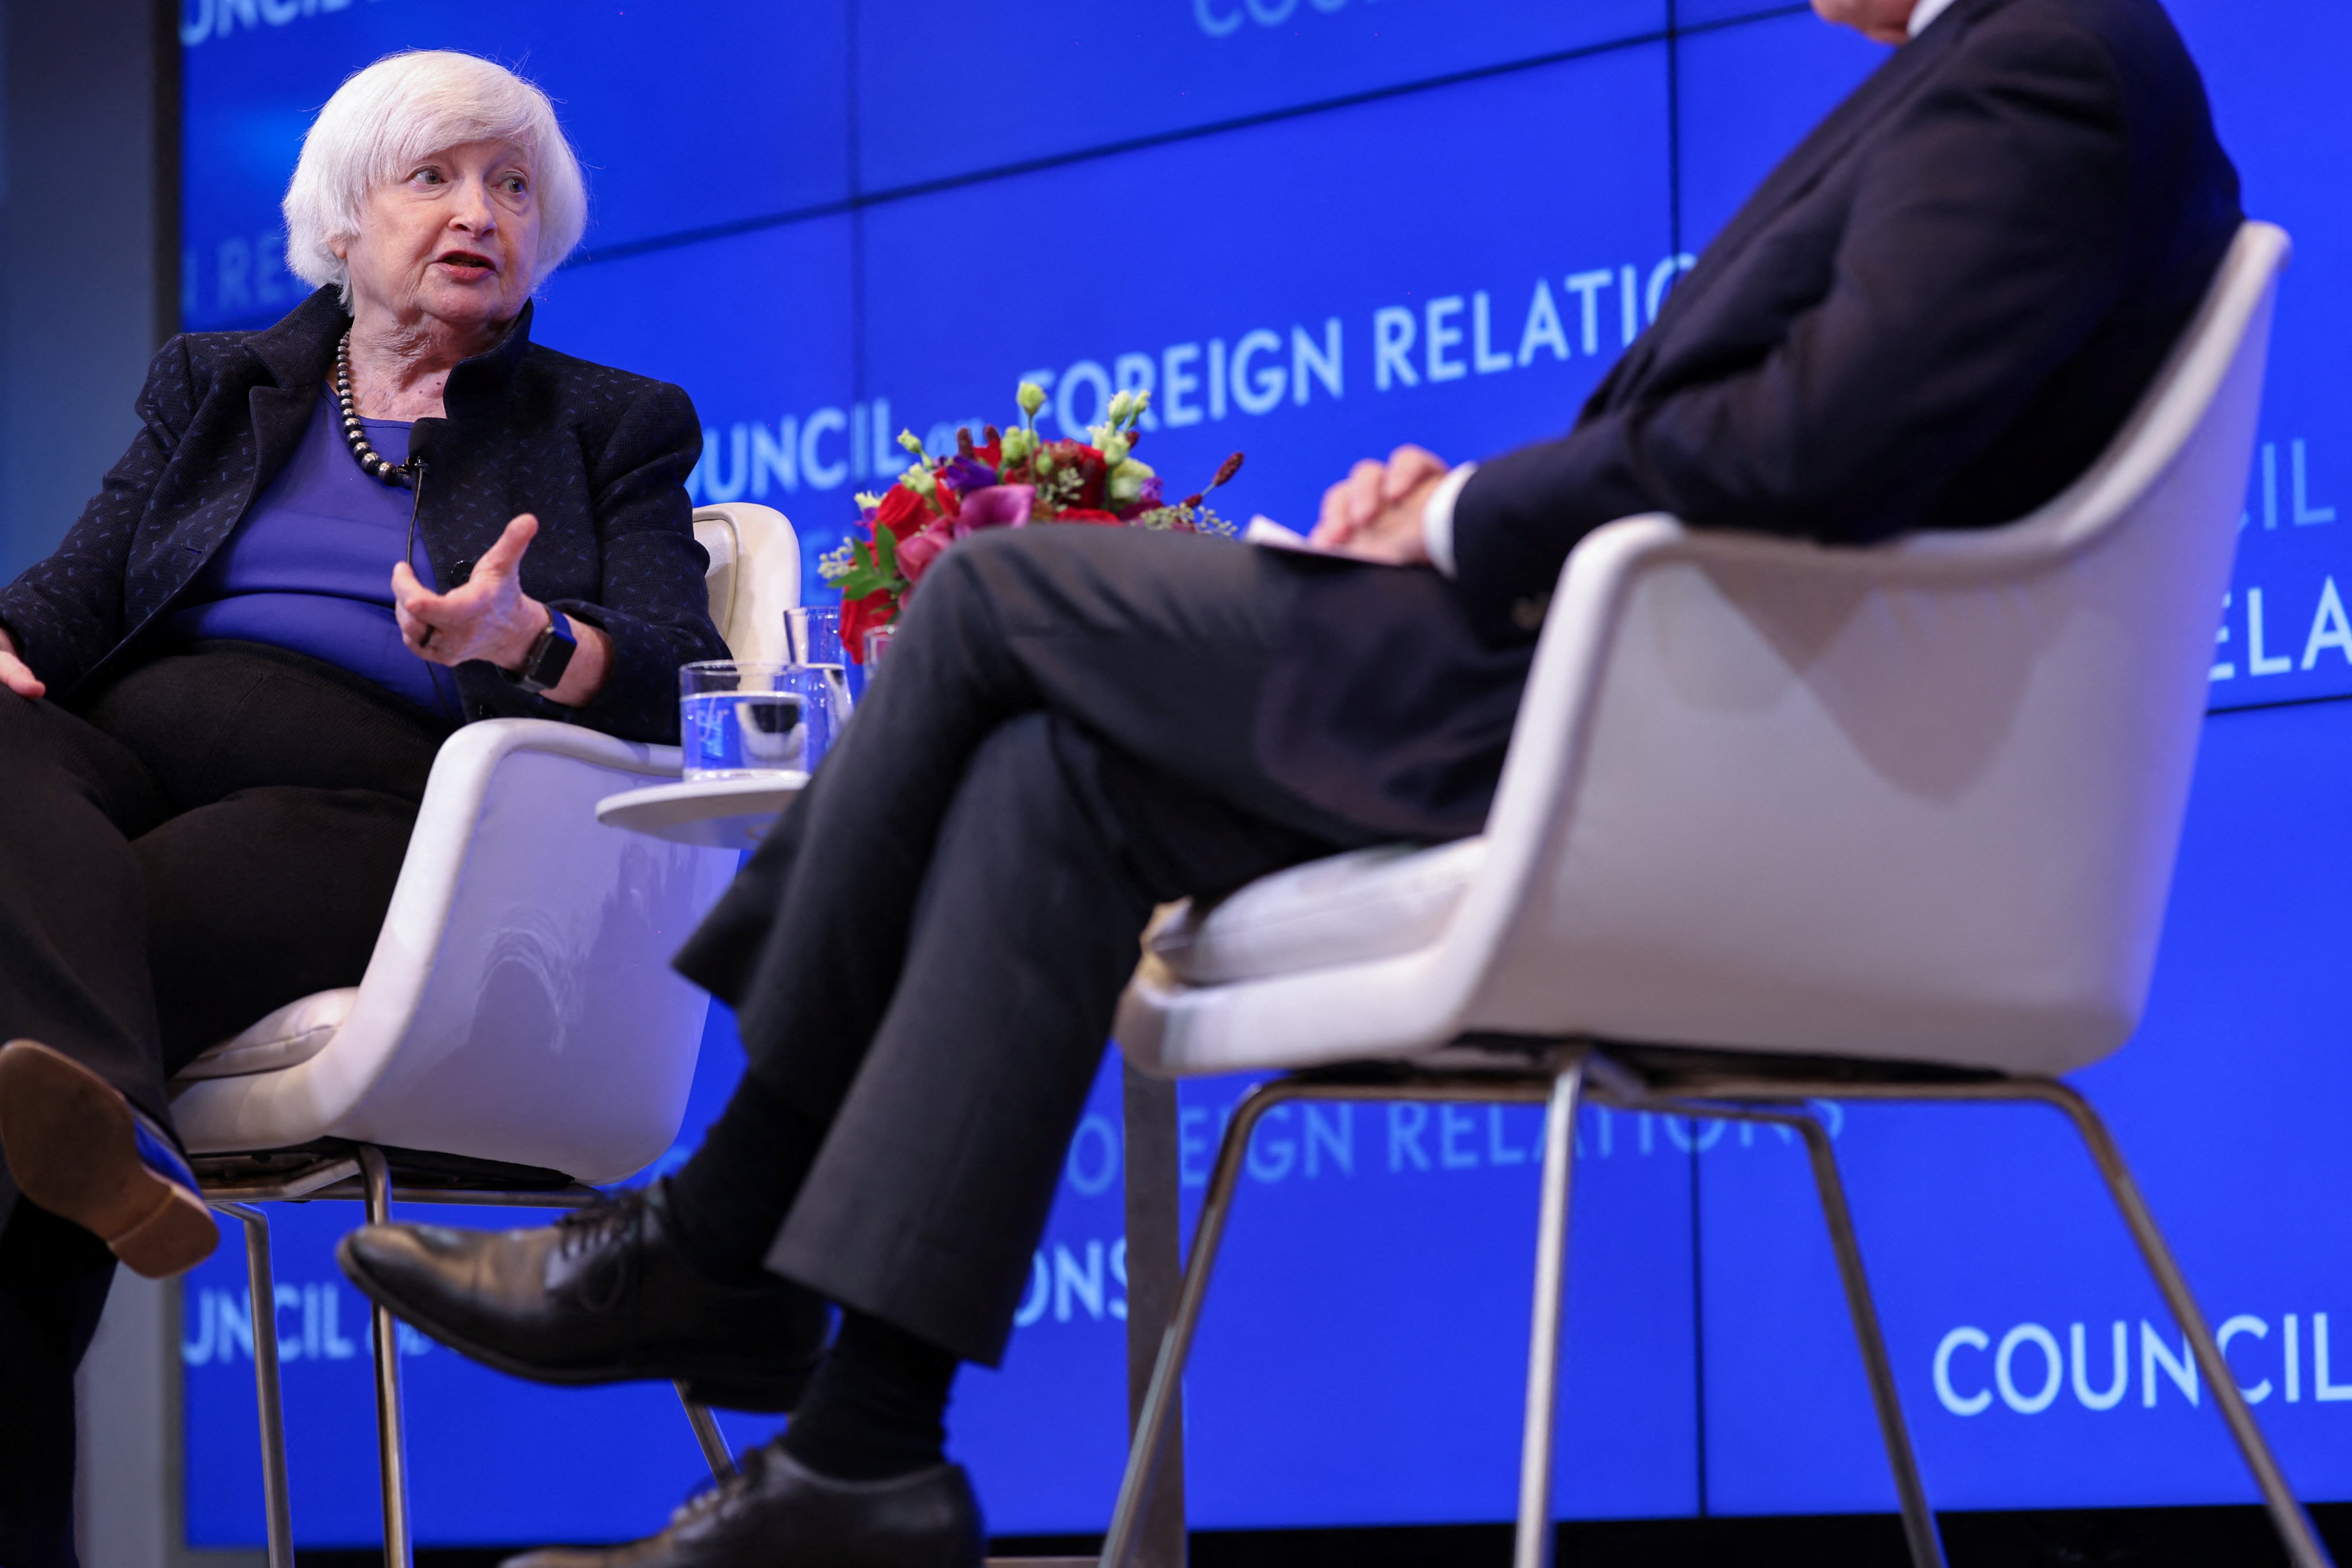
(519, 1032)
(1779, 822)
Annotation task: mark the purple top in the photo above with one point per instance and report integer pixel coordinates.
(308, 567)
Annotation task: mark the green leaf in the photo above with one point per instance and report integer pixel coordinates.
(861, 582)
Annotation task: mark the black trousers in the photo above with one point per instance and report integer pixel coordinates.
(926, 955)
(214, 835)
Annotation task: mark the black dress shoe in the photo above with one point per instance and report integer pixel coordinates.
(603, 1295)
(777, 1514)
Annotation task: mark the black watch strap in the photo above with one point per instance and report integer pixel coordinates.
(550, 656)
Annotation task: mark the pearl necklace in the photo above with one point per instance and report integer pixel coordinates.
(400, 475)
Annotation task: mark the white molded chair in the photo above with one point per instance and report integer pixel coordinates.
(519, 1032)
(1779, 822)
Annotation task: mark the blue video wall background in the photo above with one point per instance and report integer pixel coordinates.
(1317, 229)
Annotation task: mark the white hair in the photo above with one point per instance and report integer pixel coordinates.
(403, 110)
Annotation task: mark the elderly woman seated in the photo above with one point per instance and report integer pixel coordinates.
(331, 542)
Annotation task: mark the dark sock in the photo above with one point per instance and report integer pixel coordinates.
(728, 1202)
(879, 1406)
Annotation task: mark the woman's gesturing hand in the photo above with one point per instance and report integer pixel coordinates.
(14, 673)
(488, 617)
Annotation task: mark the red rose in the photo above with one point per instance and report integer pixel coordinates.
(859, 616)
(1086, 514)
(901, 511)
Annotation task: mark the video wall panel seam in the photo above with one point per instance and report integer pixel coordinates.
(860, 198)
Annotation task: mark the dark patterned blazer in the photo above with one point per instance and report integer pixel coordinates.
(599, 456)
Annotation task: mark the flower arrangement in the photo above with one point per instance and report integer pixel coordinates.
(1007, 481)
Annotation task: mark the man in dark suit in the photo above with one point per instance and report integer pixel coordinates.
(1934, 314)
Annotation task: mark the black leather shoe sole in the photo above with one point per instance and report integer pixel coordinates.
(727, 1388)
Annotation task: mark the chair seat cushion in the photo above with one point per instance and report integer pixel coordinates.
(1355, 908)
(294, 1032)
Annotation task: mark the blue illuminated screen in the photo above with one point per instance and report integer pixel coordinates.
(1316, 231)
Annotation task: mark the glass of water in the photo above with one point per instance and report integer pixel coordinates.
(740, 718)
(813, 634)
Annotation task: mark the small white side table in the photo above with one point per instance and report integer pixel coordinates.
(715, 813)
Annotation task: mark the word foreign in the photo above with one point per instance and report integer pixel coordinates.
(2029, 1368)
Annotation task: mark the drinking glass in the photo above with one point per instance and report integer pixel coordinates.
(742, 719)
(812, 640)
(813, 636)
(876, 642)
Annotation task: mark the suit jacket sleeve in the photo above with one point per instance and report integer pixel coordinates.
(66, 612)
(1985, 241)
(655, 603)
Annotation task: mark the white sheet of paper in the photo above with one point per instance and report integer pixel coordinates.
(1263, 530)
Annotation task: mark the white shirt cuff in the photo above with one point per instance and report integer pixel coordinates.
(1437, 517)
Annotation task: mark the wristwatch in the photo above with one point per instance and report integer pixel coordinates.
(550, 656)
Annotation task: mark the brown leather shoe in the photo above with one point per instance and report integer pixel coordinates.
(776, 1513)
(79, 1150)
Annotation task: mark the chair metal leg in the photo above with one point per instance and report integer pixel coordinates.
(390, 1436)
(1918, 1519)
(2287, 1515)
(1532, 1548)
(1160, 1400)
(707, 1435)
(262, 1290)
(1155, 1277)
(1919, 1531)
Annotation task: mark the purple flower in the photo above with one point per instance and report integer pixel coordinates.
(966, 475)
(994, 506)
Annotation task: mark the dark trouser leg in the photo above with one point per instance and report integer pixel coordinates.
(241, 919)
(53, 1285)
(73, 975)
(293, 788)
(1061, 738)
(73, 970)
(937, 1175)
(160, 890)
